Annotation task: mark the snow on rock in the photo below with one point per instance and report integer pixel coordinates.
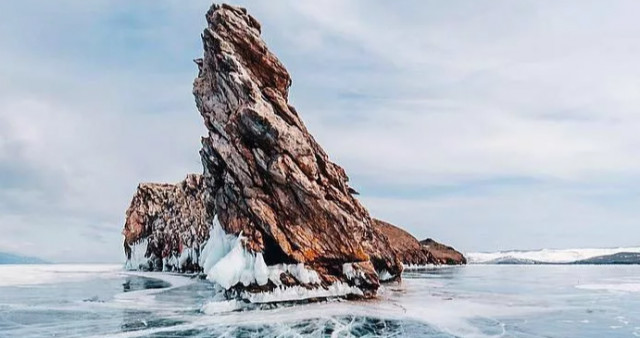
(302, 274)
(137, 259)
(261, 270)
(173, 221)
(386, 276)
(226, 262)
(351, 272)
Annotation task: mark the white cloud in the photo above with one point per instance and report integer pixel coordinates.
(512, 123)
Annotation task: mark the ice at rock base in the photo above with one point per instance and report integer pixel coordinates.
(138, 261)
(293, 293)
(413, 267)
(385, 276)
(226, 262)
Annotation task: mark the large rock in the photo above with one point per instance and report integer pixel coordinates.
(271, 211)
(407, 248)
(265, 176)
(414, 253)
(166, 225)
(443, 254)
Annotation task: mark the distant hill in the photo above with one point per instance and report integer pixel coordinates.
(628, 255)
(618, 258)
(7, 258)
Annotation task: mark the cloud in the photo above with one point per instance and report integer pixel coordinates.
(78, 133)
(487, 125)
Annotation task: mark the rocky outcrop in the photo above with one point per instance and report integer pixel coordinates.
(443, 254)
(265, 176)
(165, 226)
(407, 248)
(414, 253)
(271, 217)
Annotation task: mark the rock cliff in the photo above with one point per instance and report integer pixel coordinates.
(265, 175)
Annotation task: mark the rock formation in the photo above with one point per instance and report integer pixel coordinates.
(414, 253)
(443, 254)
(166, 224)
(271, 214)
(406, 247)
(265, 175)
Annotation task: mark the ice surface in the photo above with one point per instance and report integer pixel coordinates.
(21, 275)
(545, 255)
(461, 301)
(619, 287)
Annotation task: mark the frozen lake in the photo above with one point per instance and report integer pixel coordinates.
(466, 301)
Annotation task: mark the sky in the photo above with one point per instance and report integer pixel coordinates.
(485, 125)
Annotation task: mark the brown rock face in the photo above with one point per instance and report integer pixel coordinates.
(412, 252)
(264, 174)
(171, 220)
(406, 247)
(443, 254)
(286, 216)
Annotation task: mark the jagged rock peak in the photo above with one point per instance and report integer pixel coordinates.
(265, 176)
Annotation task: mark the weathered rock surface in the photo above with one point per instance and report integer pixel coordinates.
(412, 252)
(406, 247)
(271, 211)
(264, 174)
(443, 254)
(168, 222)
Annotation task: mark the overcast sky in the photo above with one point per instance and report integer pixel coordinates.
(485, 125)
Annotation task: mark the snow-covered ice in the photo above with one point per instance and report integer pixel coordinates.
(545, 255)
